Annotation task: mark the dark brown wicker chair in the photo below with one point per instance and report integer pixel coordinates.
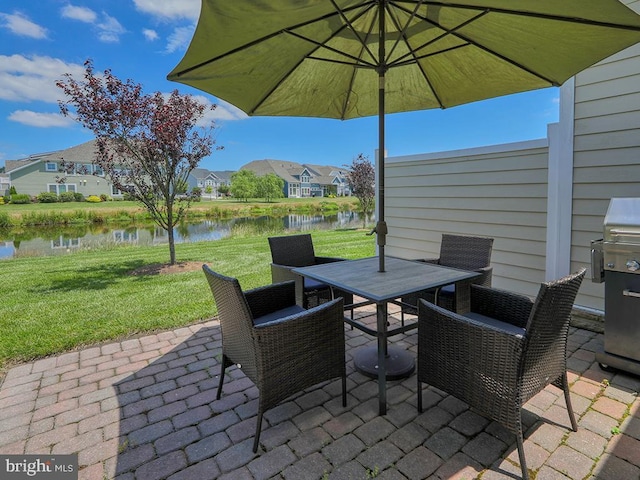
(279, 346)
(291, 251)
(456, 251)
(502, 353)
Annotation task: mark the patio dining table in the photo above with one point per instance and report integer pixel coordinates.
(400, 278)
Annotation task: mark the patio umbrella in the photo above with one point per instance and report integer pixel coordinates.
(353, 58)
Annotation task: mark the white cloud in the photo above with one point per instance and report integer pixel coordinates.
(223, 110)
(21, 25)
(82, 14)
(109, 29)
(150, 35)
(179, 39)
(39, 119)
(33, 78)
(170, 10)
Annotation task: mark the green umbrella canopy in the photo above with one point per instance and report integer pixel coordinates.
(325, 58)
(321, 58)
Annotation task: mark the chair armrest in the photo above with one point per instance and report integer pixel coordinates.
(502, 305)
(282, 273)
(435, 261)
(320, 260)
(270, 298)
(486, 275)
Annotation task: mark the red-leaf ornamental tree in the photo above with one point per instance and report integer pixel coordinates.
(147, 145)
(361, 179)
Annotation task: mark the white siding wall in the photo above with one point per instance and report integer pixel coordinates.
(500, 192)
(606, 151)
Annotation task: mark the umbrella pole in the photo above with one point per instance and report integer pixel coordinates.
(381, 225)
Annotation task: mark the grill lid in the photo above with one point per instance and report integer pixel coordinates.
(622, 221)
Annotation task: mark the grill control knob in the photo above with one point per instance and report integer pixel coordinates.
(633, 265)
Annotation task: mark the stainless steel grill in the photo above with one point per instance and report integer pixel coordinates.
(615, 259)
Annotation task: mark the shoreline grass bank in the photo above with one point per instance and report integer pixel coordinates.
(71, 213)
(56, 304)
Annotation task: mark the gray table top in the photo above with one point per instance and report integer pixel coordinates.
(401, 277)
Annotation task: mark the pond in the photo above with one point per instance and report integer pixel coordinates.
(45, 241)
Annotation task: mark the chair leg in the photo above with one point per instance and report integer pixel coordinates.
(523, 462)
(225, 363)
(419, 396)
(256, 439)
(567, 399)
(344, 390)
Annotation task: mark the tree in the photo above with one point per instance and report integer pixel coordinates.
(362, 178)
(224, 189)
(270, 186)
(244, 184)
(147, 145)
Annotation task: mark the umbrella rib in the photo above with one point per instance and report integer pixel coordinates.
(362, 64)
(356, 60)
(547, 16)
(349, 24)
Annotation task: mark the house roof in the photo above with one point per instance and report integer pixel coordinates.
(291, 171)
(78, 154)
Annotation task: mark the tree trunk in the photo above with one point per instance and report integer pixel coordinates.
(172, 245)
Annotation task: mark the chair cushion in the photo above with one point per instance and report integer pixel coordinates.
(310, 284)
(448, 290)
(278, 314)
(507, 327)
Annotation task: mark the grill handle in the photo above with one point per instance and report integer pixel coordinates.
(616, 231)
(628, 293)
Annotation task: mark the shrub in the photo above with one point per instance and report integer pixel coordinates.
(93, 199)
(12, 190)
(67, 197)
(78, 197)
(104, 197)
(20, 198)
(47, 197)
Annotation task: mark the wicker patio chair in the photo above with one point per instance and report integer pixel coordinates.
(501, 354)
(456, 251)
(279, 346)
(291, 251)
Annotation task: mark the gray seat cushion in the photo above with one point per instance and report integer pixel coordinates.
(507, 327)
(278, 314)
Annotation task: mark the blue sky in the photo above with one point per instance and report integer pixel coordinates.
(144, 39)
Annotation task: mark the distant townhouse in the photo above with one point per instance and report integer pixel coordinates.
(210, 181)
(41, 173)
(303, 180)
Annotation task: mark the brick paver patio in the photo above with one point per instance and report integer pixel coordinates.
(145, 409)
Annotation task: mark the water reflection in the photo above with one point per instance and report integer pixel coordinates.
(44, 241)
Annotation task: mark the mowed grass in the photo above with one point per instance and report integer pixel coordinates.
(55, 304)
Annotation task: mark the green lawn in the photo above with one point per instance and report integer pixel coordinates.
(54, 304)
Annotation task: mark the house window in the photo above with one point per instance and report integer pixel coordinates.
(306, 191)
(51, 167)
(305, 178)
(59, 188)
(97, 170)
(294, 190)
